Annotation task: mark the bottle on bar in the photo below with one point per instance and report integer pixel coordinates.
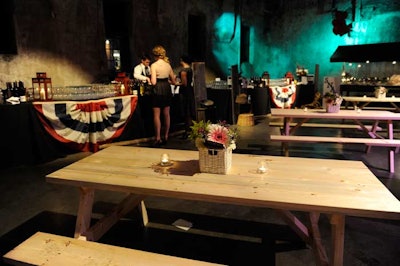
(9, 89)
(21, 92)
(4, 94)
(15, 92)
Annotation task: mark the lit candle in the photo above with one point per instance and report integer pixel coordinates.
(164, 159)
(262, 167)
(42, 94)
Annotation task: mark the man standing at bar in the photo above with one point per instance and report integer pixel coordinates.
(142, 71)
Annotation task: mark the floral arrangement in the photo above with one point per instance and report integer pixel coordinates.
(217, 136)
(333, 98)
(380, 92)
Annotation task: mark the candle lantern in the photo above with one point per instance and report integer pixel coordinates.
(42, 88)
(265, 79)
(124, 81)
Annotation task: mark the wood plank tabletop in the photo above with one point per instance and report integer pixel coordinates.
(303, 184)
(371, 99)
(342, 114)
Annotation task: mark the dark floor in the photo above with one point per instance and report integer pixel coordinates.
(221, 233)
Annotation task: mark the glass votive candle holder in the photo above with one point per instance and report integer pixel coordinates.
(262, 167)
(164, 159)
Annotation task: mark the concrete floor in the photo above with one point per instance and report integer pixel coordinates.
(222, 233)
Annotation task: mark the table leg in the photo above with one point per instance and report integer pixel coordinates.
(84, 212)
(391, 150)
(286, 132)
(311, 235)
(364, 105)
(143, 210)
(96, 231)
(395, 106)
(337, 230)
(286, 126)
(318, 248)
(297, 226)
(372, 133)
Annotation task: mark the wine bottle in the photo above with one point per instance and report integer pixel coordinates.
(9, 89)
(4, 94)
(21, 92)
(15, 89)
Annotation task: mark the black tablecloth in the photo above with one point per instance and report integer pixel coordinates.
(222, 102)
(304, 94)
(23, 138)
(24, 141)
(260, 101)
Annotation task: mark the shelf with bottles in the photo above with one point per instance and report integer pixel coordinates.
(371, 73)
(13, 93)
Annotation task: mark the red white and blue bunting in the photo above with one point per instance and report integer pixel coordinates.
(86, 125)
(283, 97)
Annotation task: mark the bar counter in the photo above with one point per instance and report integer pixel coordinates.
(25, 140)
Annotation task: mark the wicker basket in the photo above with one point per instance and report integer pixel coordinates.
(332, 108)
(245, 120)
(215, 161)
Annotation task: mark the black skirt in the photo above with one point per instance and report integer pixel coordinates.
(162, 93)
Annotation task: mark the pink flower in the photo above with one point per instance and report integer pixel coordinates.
(329, 100)
(218, 133)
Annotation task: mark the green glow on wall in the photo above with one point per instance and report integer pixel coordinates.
(305, 41)
(226, 43)
(379, 28)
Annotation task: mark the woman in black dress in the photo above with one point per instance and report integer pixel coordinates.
(162, 76)
(186, 93)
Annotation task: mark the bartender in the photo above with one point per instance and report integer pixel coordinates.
(142, 72)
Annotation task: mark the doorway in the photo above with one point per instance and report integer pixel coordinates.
(197, 37)
(117, 17)
(8, 44)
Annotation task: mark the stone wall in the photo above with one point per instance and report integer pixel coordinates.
(66, 38)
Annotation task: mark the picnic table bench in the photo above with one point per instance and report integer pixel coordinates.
(358, 117)
(48, 249)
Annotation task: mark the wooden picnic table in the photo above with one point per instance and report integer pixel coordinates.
(359, 117)
(362, 102)
(315, 186)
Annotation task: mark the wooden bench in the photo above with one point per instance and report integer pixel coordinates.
(344, 140)
(323, 125)
(394, 144)
(48, 249)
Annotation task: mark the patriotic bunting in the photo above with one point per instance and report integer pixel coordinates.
(283, 97)
(86, 125)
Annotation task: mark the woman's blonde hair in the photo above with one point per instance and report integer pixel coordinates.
(160, 52)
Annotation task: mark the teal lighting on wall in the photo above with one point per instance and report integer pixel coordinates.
(226, 42)
(379, 28)
(305, 41)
